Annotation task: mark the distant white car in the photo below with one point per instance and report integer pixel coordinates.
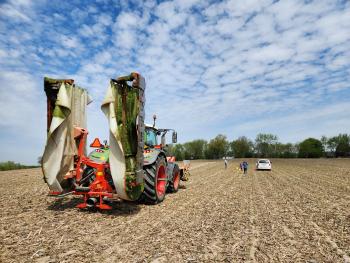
(264, 164)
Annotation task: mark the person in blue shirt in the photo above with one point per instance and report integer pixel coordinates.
(245, 167)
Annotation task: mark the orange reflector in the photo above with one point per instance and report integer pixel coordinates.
(96, 143)
(99, 174)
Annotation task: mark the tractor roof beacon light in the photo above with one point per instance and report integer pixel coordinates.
(154, 120)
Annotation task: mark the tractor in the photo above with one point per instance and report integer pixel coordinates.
(133, 166)
(161, 173)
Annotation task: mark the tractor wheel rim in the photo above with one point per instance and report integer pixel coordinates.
(176, 180)
(161, 181)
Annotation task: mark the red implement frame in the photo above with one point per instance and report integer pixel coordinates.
(100, 187)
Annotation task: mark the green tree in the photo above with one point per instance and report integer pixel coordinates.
(287, 150)
(217, 147)
(310, 148)
(177, 150)
(343, 145)
(10, 165)
(265, 144)
(242, 147)
(324, 141)
(332, 145)
(195, 149)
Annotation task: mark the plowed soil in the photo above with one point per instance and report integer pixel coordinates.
(298, 212)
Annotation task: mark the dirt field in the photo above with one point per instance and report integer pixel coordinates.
(299, 212)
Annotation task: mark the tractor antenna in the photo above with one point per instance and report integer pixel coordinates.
(154, 120)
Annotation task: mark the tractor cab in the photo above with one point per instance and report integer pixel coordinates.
(155, 143)
(150, 137)
(152, 133)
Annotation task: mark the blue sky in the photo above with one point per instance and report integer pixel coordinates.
(232, 67)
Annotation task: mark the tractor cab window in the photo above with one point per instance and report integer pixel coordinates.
(150, 137)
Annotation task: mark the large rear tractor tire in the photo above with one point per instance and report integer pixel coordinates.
(175, 182)
(155, 178)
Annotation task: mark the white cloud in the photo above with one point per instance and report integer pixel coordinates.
(18, 100)
(12, 12)
(21, 2)
(210, 68)
(69, 41)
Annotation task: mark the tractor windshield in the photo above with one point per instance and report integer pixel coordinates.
(150, 137)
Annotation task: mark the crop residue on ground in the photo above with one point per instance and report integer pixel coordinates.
(298, 212)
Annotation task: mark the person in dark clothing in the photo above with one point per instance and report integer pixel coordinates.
(245, 167)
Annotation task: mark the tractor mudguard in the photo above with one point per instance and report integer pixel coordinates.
(66, 107)
(151, 156)
(169, 170)
(124, 108)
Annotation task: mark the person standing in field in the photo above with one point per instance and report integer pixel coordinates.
(225, 161)
(245, 167)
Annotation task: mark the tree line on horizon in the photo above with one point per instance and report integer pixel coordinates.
(10, 165)
(264, 146)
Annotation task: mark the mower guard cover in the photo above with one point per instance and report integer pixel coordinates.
(66, 109)
(124, 108)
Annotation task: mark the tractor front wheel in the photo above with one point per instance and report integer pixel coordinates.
(155, 178)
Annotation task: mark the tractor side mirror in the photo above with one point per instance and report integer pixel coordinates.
(174, 137)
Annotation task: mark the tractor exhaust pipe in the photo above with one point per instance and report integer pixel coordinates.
(91, 202)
